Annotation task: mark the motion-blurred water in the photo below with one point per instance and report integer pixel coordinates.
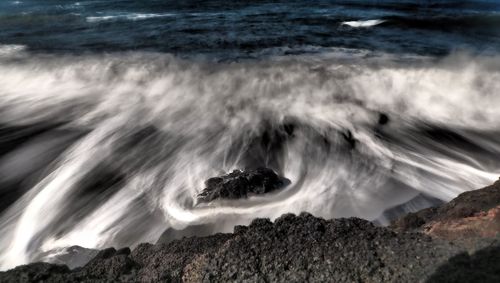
(113, 113)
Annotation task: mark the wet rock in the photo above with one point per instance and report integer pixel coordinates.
(242, 184)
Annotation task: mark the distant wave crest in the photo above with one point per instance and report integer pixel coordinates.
(11, 49)
(131, 16)
(363, 24)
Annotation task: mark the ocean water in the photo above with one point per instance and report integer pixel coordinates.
(249, 29)
(114, 113)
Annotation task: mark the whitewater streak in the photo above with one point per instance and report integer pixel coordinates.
(139, 133)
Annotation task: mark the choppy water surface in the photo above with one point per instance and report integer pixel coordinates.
(113, 113)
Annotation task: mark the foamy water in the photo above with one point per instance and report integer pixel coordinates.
(363, 24)
(141, 132)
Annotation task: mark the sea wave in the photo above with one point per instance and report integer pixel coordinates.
(127, 16)
(129, 140)
(11, 49)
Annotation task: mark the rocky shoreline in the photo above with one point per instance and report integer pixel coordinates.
(454, 242)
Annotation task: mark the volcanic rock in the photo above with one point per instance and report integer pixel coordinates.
(241, 184)
(471, 214)
(292, 249)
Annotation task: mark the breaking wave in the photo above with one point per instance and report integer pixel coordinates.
(110, 150)
(11, 49)
(127, 16)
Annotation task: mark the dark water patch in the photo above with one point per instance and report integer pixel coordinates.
(14, 136)
(232, 30)
(27, 156)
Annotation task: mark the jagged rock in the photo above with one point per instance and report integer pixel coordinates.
(292, 249)
(35, 272)
(241, 184)
(471, 214)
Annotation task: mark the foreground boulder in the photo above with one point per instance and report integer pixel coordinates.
(242, 184)
(292, 249)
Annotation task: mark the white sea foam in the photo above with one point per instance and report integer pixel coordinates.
(363, 24)
(127, 16)
(167, 125)
(11, 49)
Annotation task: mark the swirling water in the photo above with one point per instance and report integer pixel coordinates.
(113, 113)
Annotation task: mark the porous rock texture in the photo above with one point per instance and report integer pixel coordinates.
(241, 184)
(304, 248)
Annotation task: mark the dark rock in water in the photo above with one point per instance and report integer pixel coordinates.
(383, 119)
(241, 184)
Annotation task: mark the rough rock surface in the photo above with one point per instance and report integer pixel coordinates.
(305, 249)
(292, 249)
(241, 184)
(471, 214)
(485, 224)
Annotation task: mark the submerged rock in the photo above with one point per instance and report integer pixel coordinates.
(242, 184)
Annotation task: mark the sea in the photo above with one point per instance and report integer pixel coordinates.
(113, 113)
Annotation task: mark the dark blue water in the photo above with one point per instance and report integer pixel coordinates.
(239, 29)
